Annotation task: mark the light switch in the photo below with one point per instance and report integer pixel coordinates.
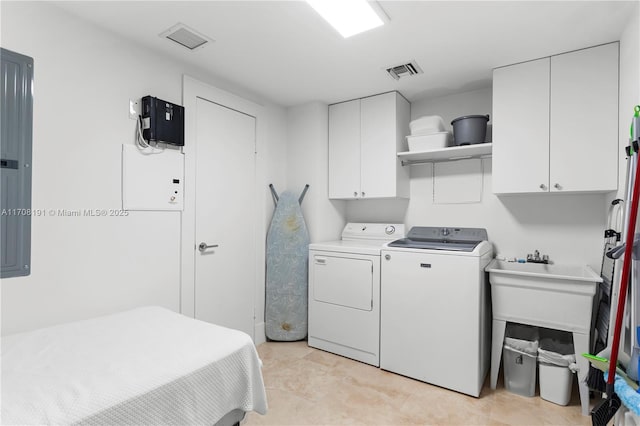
(134, 109)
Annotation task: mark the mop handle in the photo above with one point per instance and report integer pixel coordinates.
(626, 268)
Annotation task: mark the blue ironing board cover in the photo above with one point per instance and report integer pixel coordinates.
(287, 272)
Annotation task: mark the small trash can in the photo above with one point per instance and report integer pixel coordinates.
(519, 356)
(557, 362)
(519, 361)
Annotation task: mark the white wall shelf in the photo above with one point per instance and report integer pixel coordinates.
(453, 153)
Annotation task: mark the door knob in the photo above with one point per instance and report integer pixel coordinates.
(557, 186)
(543, 186)
(355, 193)
(203, 246)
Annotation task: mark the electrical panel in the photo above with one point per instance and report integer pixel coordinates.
(152, 181)
(16, 122)
(162, 121)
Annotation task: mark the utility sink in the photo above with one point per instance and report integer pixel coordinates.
(552, 296)
(548, 295)
(562, 274)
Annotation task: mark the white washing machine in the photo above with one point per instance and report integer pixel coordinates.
(436, 316)
(344, 291)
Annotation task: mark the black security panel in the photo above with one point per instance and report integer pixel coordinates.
(162, 121)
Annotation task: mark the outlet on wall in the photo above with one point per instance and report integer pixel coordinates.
(134, 108)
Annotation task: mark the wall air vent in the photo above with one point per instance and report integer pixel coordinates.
(404, 70)
(186, 37)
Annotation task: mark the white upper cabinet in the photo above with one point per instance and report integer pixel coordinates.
(364, 137)
(555, 123)
(584, 120)
(344, 150)
(521, 127)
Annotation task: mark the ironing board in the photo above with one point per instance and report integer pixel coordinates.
(287, 272)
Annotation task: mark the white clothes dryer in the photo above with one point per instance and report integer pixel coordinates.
(344, 291)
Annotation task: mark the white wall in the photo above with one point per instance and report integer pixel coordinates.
(629, 87)
(87, 266)
(566, 227)
(273, 162)
(307, 163)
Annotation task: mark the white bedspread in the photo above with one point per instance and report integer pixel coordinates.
(145, 366)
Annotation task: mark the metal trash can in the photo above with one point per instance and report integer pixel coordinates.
(519, 355)
(519, 361)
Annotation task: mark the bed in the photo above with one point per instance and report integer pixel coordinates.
(140, 367)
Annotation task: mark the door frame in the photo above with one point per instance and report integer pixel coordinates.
(193, 89)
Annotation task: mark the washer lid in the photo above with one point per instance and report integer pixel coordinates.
(436, 238)
(482, 248)
(435, 245)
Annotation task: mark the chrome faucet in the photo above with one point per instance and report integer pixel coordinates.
(535, 257)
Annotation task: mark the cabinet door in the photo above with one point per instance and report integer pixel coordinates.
(521, 128)
(378, 146)
(344, 150)
(584, 120)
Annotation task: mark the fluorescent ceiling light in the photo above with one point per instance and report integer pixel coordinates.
(349, 17)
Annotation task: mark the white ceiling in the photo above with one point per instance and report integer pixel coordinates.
(285, 52)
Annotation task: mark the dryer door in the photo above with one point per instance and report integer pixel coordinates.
(343, 281)
(344, 304)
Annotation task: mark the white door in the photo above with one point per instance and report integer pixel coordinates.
(225, 216)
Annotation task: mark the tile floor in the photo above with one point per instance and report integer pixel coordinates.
(306, 386)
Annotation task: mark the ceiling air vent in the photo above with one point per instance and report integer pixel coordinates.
(187, 37)
(404, 70)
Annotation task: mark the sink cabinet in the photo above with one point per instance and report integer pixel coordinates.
(555, 123)
(364, 137)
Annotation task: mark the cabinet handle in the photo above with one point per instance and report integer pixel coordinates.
(387, 256)
(355, 193)
(557, 186)
(543, 186)
(363, 193)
